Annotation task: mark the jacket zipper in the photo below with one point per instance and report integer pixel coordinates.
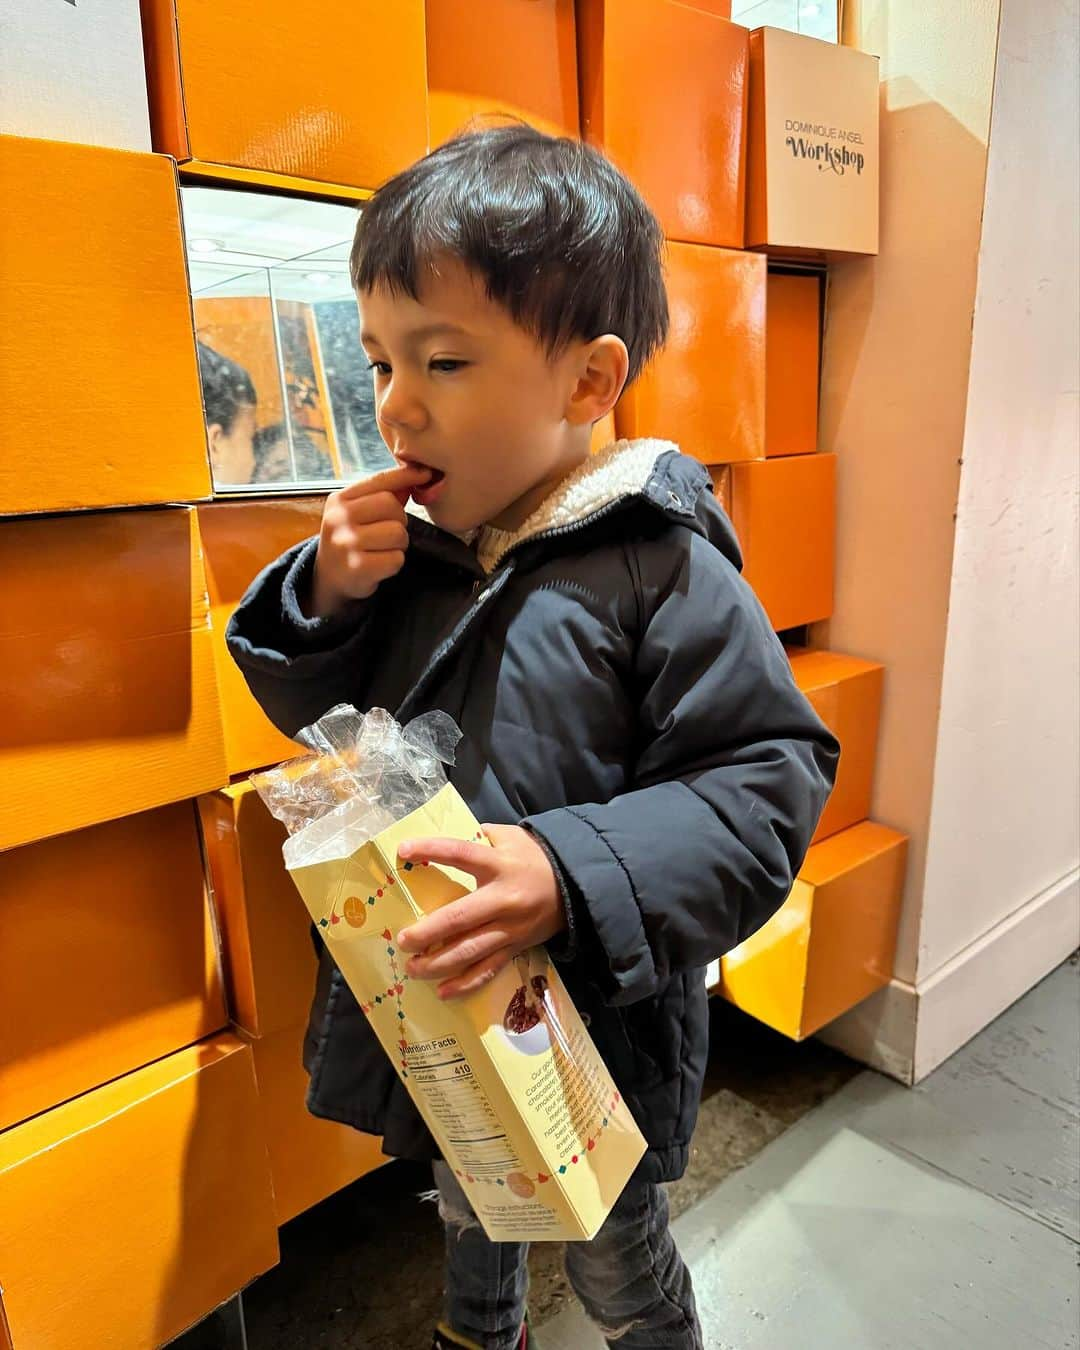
(482, 585)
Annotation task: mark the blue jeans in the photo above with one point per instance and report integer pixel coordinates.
(630, 1278)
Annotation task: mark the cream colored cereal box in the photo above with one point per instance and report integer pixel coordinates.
(508, 1081)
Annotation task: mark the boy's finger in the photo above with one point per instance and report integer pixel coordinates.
(389, 480)
(452, 921)
(480, 974)
(476, 859)
(372, 508)
(456, 957)
(380, 566)
(374, 538)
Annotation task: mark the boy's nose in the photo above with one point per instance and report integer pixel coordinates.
(398, 409)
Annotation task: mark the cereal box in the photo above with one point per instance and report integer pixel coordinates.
(507, 1079)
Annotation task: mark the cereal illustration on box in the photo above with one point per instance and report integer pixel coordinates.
(507, 1079)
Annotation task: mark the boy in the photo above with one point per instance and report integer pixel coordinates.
(630, 722)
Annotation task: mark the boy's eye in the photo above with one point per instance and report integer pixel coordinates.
(445, 366)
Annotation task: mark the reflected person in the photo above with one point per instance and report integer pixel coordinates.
(229, 405)
(272, 463)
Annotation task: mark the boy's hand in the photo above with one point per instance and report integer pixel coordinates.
(363, 538)
(516, 905)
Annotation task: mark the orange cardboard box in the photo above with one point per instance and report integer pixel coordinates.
(106, 670)
(812, 167)
(515, 57)
(846, 694)
(706, 389)
(663, 92)
(131, 1212)
(270, 963)
(95, 412)
(833, 941)
(271, 92)
(792, 362)
(721, 480)
(310, 1158)
(784, 513)
(240, 539)
(132, 957)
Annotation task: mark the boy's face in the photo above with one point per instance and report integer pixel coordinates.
(462, 389)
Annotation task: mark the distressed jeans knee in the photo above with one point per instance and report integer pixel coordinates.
(454, 1210)
(631, 1279)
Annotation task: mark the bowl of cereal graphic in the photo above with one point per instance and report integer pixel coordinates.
(524, 1022)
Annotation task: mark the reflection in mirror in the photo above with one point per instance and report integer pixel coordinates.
(287, 391)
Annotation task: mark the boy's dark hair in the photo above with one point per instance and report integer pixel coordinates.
(559, 236)
(226, 388)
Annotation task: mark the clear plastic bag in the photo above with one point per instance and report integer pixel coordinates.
(365, 773)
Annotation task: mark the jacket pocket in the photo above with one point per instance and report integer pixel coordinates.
(642, 1068)
(654, 1030)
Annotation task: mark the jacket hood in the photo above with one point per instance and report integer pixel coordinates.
(651, 471)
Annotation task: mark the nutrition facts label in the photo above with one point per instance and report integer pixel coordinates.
(458, 1104)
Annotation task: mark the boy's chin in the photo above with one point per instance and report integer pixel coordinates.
(452, 518)
(453, 522)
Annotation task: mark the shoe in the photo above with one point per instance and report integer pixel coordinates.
(445, 1339)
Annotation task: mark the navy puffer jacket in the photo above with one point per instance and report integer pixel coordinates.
(622, 696)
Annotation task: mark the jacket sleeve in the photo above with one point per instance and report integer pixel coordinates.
(733, 772)
(298, 667)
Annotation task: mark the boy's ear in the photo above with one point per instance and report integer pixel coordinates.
(602, 367)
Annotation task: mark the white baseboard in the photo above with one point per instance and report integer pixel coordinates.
(880, 1031)
(986, 978)
(906, 1031)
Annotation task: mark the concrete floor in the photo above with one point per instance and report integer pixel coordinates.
(938, 1218)
(886, 1219)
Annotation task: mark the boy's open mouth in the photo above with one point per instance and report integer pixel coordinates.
(429, 492)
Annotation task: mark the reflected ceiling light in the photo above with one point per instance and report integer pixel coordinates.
(318, 278)
(204, 245)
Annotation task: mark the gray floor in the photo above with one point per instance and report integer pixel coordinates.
(937, 1218)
